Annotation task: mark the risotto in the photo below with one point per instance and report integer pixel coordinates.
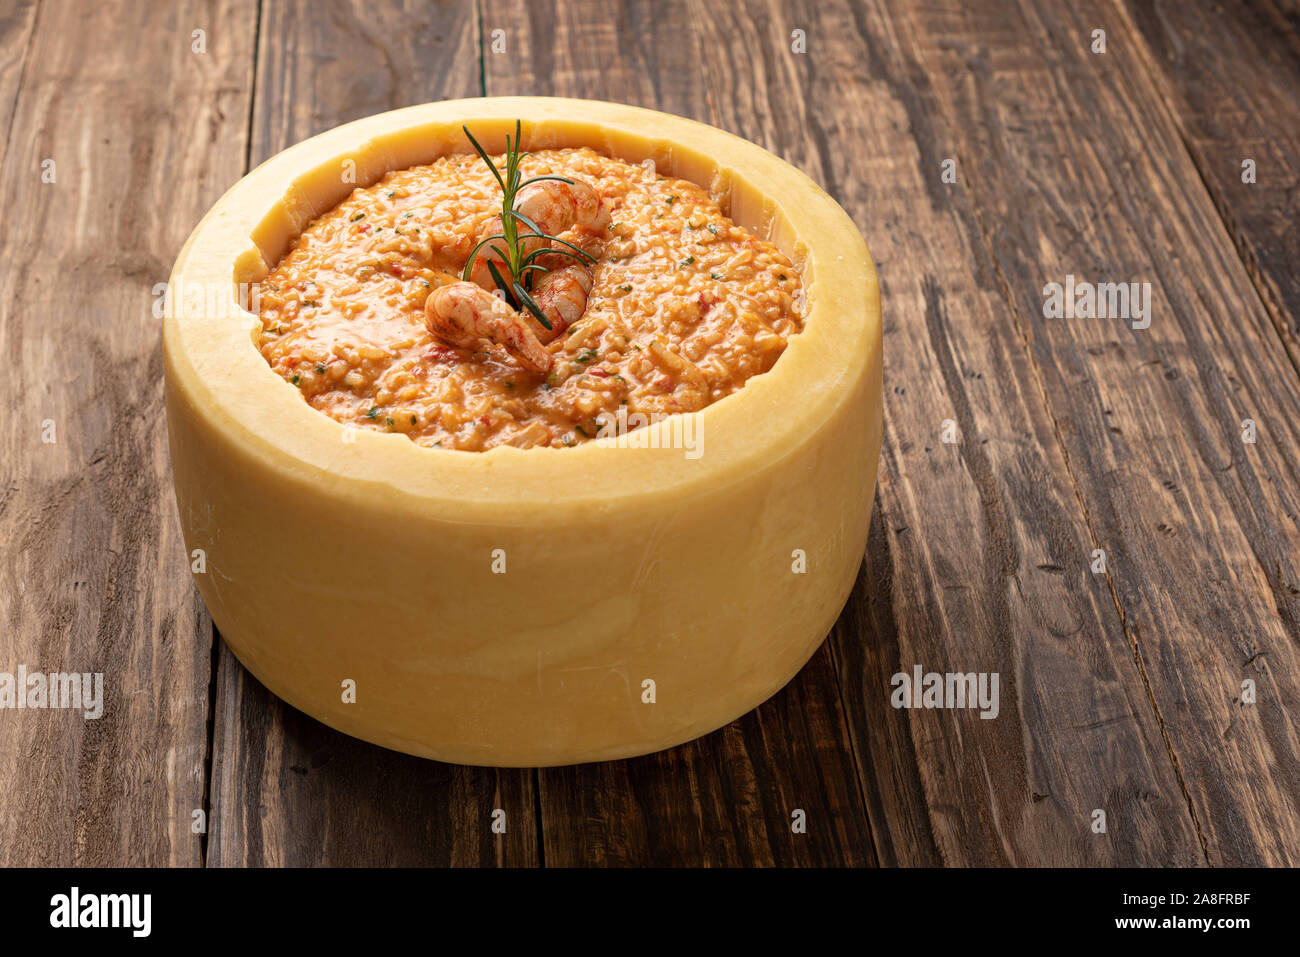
(684, 307)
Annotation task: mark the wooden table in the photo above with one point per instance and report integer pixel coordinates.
(1121, 686)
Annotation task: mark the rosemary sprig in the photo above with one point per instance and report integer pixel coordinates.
(523, 267)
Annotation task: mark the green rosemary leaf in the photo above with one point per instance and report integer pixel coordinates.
(582, 253)
(469, 263)
(529, 303)
(538, 179)
(497, 278)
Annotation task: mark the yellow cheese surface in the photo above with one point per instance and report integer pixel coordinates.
(524, 607)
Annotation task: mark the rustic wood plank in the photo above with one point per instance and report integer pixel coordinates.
(726, 799)
(324, 64)
(291, 792)
(17, 21)
(1232, 75)
(94, 576)
(979, 550)
(1077, 168)
(286, 789)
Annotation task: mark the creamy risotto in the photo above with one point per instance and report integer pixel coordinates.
(684, 307)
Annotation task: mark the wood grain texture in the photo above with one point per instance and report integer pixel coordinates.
(286, 789)
(1232, 76)
(17, 21)
(1076, 168)
(94, 576)
(979, 551)
(290, 792)
(726, 799)
(321, 64)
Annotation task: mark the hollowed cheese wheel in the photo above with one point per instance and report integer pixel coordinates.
(648, 596)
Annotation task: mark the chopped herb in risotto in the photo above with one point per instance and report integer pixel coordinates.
(606, 287)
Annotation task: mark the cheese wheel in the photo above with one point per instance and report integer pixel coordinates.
(524, 607)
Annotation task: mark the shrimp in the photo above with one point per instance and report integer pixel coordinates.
(555, 207)
(462, 313)
(561, 294)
